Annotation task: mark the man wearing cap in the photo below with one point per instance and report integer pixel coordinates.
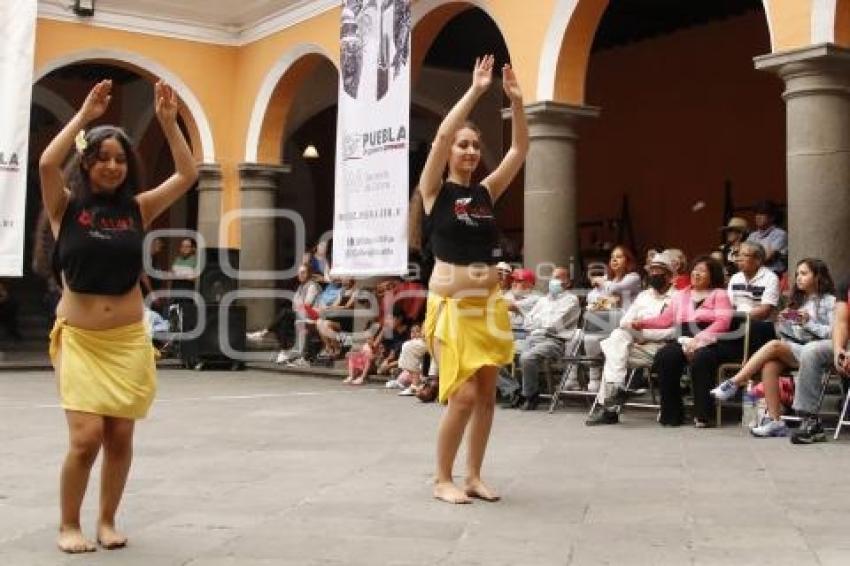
(734, 234)
(772, 238)
(521, 299)
(626, 347)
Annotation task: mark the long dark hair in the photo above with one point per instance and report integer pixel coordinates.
(76, 172)
(631, 261)
(824, 284)
(716, 277)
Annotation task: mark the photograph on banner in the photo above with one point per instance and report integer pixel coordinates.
(373, 124)
(17, 25)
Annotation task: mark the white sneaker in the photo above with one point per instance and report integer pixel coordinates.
(409, 392)
(257, 336)
(593, 385)
(769, 429)
(282, 357)
(298, 363)
(725, 391)
(393, 384)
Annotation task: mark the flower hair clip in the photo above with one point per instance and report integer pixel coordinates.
(80, 142)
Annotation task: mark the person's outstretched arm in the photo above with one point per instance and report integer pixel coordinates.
(54, 193)
(497, 181)
(155, 201)
(431, 177)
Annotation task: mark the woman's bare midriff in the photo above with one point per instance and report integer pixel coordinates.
(449, 279)
(100, 312)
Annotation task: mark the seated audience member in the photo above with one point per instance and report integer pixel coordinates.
(304, 319)
(410, 295)
(359, 364)
(185, 265)
(9, 312)
(390, 340)
(682, 280)
(816, 358)
(626, 346)
(620, 286)
(754, 291)
(610, 296)
(504, 270)
(550, 324)
(320, 264)
(650, 253)
(734, 234)
(337, 317)
(521, 299)
(411, 360)
(701, 313)
(772, 238)
(808, 318)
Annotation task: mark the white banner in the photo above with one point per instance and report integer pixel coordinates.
(373, 124)
(17, 49)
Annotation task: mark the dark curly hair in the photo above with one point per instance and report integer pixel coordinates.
(76, 172)
(824, 284)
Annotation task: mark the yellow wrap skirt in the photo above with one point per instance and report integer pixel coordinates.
(471, 332)
(106, 372)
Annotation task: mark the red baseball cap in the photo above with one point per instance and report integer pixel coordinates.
(522, 274)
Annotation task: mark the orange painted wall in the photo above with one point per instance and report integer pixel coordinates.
(842, 23)
(791, 20)
(680, 115)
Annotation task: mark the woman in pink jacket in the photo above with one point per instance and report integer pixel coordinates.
(703, 313)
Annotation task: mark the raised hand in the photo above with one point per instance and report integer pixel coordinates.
(482, 75)
(165, 103)
(97, 101)
(510, 84)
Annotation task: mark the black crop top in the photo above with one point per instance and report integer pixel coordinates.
(463, 226)
(99, 248)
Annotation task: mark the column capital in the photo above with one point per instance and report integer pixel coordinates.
(209, 177)
(549, 119)
(815, 69)
(261, 176)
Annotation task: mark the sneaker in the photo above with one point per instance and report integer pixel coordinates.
(593, 385)
(282, 357)
(298, 363)
(810, 432)
(724, 391)
(530, 404)
(393, 384)
(770, 429)
(513, 401)
(256, 336)
(409, 392)
(602, 416)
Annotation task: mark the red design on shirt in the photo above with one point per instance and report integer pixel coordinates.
(84, 219)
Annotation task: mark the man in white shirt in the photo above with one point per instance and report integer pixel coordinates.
(628, 347)
(754, 291)
(521, 299)
(550, 324)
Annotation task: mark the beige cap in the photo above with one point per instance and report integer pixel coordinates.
(736, 223)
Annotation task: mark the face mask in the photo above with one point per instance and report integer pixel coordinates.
(555, 286)
(657, 282)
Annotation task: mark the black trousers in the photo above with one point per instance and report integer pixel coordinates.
(670, 362)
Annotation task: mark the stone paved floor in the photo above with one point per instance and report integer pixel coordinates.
(254, 468)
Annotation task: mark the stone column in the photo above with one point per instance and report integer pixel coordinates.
(817, 100)
(259, 184)
(550, 222)
(209, 202)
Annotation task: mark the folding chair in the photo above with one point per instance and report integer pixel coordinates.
(843, 418)
(731, 368)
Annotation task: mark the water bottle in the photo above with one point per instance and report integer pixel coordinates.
(749, 411)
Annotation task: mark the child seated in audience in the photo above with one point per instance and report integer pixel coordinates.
(359, 363)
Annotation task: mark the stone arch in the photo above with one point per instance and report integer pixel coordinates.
(53, 103)
(430, 16)
(278, 90)
(566, 48)
(198, 124)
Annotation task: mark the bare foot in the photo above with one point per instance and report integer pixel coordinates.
(109, 538)
(72, 541)
(477, 489)
(450, 493)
